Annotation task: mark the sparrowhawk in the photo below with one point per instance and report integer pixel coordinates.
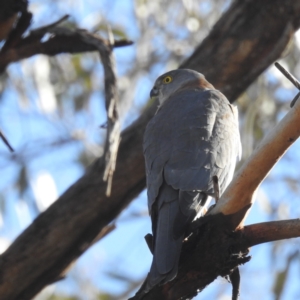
(192, 137)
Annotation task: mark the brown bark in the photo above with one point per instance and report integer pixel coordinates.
(224, 250)
(260, 233)
(200, 265)
(245, 41)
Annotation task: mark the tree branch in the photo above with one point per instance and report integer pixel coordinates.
(61, 40)
(241, 45)
(213, 250)
(260, 233)
(240, 192)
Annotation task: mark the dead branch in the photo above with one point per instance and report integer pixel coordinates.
(61, 40)
(292, 79)
(111, 103)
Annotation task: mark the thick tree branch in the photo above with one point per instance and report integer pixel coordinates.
(214, 242)
(260, 233)
(242, 44)
(239, 193)
(211, 251)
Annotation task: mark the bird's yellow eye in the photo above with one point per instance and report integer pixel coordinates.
(167, 79)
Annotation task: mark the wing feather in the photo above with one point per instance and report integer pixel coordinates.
(192, 137)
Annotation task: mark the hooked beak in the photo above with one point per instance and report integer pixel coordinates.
(154, 92)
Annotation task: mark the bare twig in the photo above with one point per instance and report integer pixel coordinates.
(288, 75)
(5, 141)
(294, 100)
(291, 78)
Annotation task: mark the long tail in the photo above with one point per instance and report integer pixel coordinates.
(174, 211)
(166, 248)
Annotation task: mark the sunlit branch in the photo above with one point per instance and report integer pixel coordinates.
(260, 233)
(240, 192)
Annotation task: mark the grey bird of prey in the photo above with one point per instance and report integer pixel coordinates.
(192, 137)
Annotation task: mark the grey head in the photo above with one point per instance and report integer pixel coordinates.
(175, 80)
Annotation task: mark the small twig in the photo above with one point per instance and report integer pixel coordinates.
(5, 141)
(291, 78)
(294, 100)
(288, 75)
